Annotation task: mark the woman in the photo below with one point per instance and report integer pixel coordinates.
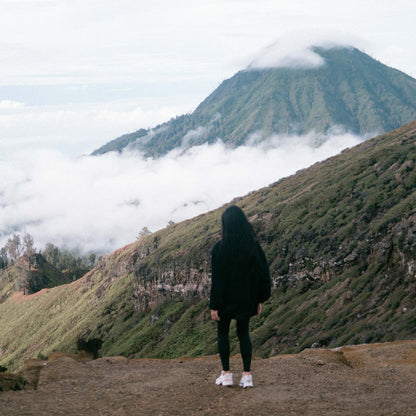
(240, 284)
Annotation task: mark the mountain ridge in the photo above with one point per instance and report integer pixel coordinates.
(351, 91)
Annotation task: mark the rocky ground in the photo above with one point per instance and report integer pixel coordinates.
(374, 379)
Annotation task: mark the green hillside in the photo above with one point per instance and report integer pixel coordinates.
(340, 238)
(350, 91)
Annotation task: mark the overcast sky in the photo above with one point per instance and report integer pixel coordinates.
(84, 71)
(75, 74)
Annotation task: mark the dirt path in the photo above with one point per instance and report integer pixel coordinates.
(377, 379)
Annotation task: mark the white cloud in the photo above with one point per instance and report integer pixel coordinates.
(101, 203)
(295, 50)
(274, 57)
(57, 42)
(10, 105)
(192, 136)
(74, 129)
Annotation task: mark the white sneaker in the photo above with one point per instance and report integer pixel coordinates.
(225, 379)
(246, 381)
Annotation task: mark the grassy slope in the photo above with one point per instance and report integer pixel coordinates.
(340, 237)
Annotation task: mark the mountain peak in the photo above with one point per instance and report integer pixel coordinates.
(324, 87)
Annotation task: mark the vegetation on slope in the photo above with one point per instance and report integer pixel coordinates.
(23, 268)
(340, 238)
(351, 90)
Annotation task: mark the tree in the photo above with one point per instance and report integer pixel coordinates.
(14, 247)
(65, 261)
(51, 253)
(92, 257)
(22, 281)
(143, 233)
(4, 261)
(28, 244)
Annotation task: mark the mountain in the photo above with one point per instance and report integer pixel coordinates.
(340, 238)
(350, 91)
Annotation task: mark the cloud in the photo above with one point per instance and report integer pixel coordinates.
(192, 136)
(91, 41)
(74, 129)
(296, 50)
(10, 105)
(275, 57)
(102, 203)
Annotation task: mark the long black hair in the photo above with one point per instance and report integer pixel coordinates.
(239, 241)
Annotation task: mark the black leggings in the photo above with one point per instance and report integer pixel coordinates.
(223, 329)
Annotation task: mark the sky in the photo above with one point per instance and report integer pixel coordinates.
(76, 74)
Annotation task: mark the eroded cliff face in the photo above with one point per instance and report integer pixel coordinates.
(177, 277)
(393, 253)
(187, 284)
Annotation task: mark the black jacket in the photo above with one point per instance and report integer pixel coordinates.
(238, 287)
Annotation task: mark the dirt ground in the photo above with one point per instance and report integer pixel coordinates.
(374, 379)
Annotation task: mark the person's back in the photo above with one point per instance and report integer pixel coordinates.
(240, 284)
(245, 281)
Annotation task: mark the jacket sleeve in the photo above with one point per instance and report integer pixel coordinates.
(264, 281)
(215, 300)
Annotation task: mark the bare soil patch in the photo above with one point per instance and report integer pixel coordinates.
(374, 379)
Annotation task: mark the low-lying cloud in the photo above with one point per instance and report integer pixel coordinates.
(69, 128)
(101, 203)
